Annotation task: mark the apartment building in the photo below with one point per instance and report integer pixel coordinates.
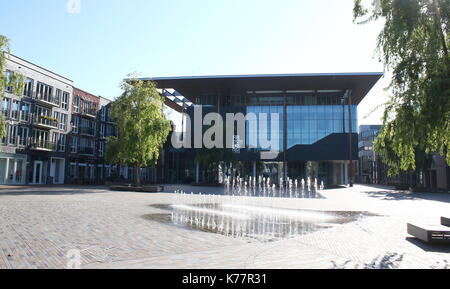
(83, 138)
(107, 128)
(34, 150)
(91, 126)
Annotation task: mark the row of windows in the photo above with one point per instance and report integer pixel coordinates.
(44, 92)
(86, 107)
(267, 98)
(20, 136)
(21, 111)
(90, 128)
(306, 125)
(61, 98)
(369, 135)
(87, 146)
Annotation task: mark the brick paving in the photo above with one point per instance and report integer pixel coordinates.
(39, 225)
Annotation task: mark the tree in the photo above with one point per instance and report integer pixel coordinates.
(14, 81)
(143, 127)
(414, 44)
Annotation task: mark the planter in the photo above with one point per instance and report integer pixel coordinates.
(216, 185)
(129, 188)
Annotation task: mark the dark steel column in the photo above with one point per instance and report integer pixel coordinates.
(350, 134)
(285, 170)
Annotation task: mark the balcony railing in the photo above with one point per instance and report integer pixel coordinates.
(47, 99)
(87, 131)
(45, 121)
(90, 112)
(86, 151)
(43, 145)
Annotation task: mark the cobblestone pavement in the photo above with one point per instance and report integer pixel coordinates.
(39, 226)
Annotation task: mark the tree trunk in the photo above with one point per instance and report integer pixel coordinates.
(138, 175)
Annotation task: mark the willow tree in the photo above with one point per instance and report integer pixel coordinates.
(143, 127)
(414, 45)
(13, 80)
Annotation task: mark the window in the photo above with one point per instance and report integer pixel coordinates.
(101, 149)
(63, 123)
(74, 144)
(62, 142)
(58, 96)
(87, 146)
(85, 105)
(88, 127)
(8, 77)
(12, 134)
(25, 109)
(54, 137)
(103, 113)
(56, 115)
(40, 138)
(44, 92)
(28, 87)
(15, 109)
(102, 130)
(65, 100)
(111, 130)
(23, 136)
(76, 104)
(73, 170)
(75, 124)
(6, 102)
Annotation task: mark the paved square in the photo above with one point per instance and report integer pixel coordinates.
(39, 226)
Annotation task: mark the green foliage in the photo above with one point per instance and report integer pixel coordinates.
(143, 127)
(414, 44)
(15, 80)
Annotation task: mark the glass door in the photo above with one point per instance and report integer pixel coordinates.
(37, 172)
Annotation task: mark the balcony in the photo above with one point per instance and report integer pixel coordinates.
(86, 151)
(46, 122)
(87, 131)
(91, 113)
(43, 145)
(47, 100)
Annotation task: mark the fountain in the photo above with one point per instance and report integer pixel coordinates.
(249, 208)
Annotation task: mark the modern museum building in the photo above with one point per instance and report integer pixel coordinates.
(315, 132)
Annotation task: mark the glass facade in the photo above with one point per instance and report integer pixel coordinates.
(306, 124)
(271, 132)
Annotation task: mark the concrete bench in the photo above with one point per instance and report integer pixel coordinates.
(432, 234)
(147, 189)
(445, 221)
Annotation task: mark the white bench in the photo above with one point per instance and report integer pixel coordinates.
(433, 234)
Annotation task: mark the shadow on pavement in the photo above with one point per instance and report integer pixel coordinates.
(427, 247)
(405, 195)
(389, 260)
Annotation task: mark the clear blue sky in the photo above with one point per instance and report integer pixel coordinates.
(108, 39)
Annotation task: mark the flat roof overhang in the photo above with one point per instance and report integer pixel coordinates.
(191, 86)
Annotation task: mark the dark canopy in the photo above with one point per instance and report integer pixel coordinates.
(189, 87)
